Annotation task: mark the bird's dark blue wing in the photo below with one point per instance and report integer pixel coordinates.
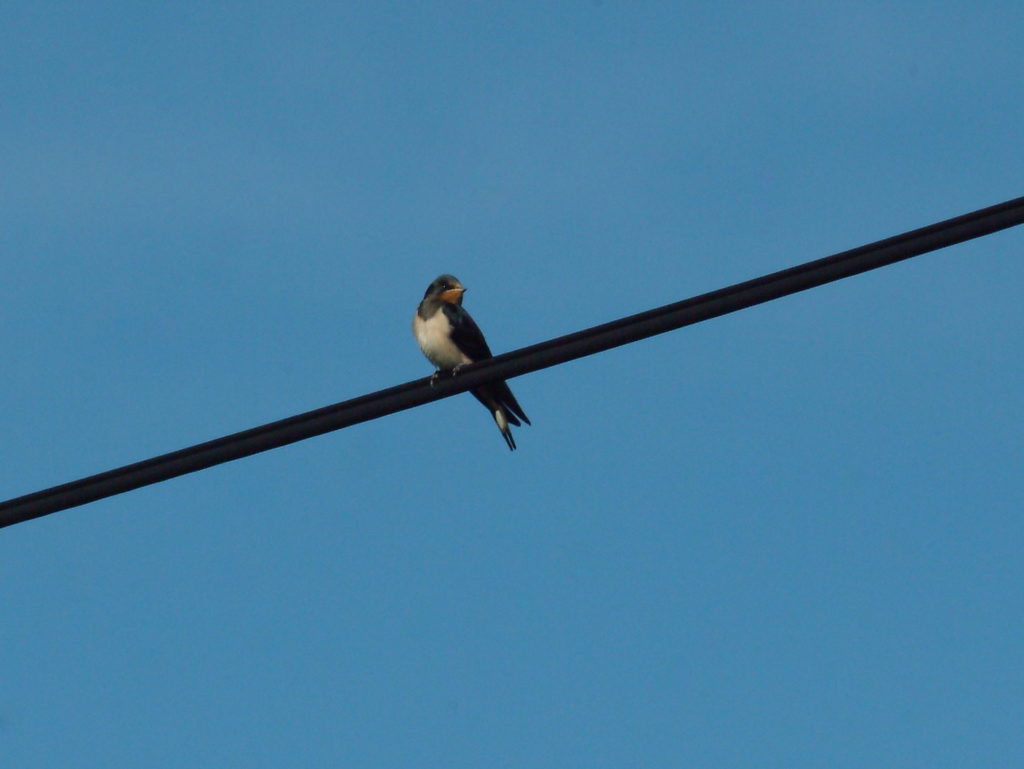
(466, 335)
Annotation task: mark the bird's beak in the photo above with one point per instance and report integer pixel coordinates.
(453, 295)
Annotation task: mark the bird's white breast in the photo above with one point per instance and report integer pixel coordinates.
(434, 337)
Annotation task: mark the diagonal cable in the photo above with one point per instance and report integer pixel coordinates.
(513, 364)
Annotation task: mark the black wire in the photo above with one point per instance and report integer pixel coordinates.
(516, 363)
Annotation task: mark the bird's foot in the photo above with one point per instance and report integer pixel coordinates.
(447, 372)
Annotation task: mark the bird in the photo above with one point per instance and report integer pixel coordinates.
(450, 339)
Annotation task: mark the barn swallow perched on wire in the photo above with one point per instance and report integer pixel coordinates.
(450, 339)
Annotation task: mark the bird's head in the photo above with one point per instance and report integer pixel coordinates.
(446, 288)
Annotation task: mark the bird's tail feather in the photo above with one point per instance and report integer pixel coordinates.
(501, 416)
(503, 407)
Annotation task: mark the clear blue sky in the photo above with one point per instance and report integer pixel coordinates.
(790, 537)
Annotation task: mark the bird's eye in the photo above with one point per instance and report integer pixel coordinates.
(444, 285)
